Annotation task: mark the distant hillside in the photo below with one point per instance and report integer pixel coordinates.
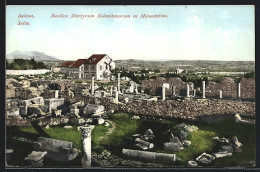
(38, 56)
(132, 64)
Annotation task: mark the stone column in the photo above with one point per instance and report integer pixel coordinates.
(174, 90)
(188, 90)
(118, 81)
(86, 143)
(116, 97)
(92, 85)
(220, 94)
(239, 90)
(203, 90)
(56, 94)
(111, 90)
(136, 90)
(163, 92)
(194, 91)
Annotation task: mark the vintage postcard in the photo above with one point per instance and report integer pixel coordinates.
(133, 86)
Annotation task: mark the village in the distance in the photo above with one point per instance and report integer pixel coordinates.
(101, 112)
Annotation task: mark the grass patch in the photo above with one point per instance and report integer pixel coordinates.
(200, 142)
(121, 137)
(97, 133)
(122, 134)
(60, 133)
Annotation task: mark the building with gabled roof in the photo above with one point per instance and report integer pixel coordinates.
(97, 65)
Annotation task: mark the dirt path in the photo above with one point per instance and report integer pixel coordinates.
(110, 130)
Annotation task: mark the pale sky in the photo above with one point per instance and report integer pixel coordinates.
(218, 32)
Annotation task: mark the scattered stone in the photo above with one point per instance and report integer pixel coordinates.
(205, 158)
(148, 135)
(136, 135)
(8, 153)
(192, 164)
(172, 146)
(107, 124)
(237, 117)
(236, 144)
(227, 148)
(215, 138)
(36, 158)
(187, 128)
(101, 121)
(47, 127)
(67, 126)
(221, 140)
(183, 135)
(140, 144)
(135, 117)
(186, 142)
(81, 121)
(221, 154)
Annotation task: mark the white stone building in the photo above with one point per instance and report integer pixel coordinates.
(98, 66)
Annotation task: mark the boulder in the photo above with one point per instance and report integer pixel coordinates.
(236, 144)
(107, 124)
(237, 117)
(192, 164)
(135, 117)
(186, 142)
(172, 146)
(35, 158)
(187, 128)
(101, 121)
(205, 158)
(67, 126)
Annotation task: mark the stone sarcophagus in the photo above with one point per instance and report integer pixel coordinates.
(57, 150)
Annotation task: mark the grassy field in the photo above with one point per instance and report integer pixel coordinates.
(121, 137)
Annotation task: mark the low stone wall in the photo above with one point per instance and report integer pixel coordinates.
(41, 122)
(183, 108)
(26, 72)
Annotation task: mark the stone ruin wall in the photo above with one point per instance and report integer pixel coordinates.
(154, 86)
(182, 108)
(248, 88)
(227, 85)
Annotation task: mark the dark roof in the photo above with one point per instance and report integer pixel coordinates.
(79, 62)
(67, 63)
(95, 58)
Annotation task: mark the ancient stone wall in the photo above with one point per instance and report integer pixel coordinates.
(248, 88)
(228, 86)
(183, 108)
(154, 86)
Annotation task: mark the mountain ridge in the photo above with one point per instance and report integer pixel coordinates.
(38, 56)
